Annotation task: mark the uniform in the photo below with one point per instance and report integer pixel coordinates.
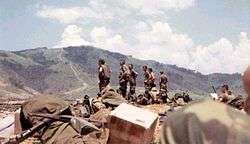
(123, 80)
(142, 99)
(207, 122)
(163, 87)
(132, 82)
(146, 82)
(163, 82)
(104, 76)
(151, 80)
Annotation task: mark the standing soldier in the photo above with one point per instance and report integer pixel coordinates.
(151, 79)
(163, 86)
(123, 78)
(132, 80)
(104, 75)
(146, 78)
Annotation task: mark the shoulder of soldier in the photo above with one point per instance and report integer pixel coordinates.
(102, 67)
(200, 117)
(126, 67)
(163, 76)
(152, 74)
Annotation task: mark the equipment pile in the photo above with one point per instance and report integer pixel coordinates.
(53, 120)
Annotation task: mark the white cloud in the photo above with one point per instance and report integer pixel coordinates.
(99, 37)
(72, 37)
(148, 39)
(141, 26)
(71, 14)
(103, 38)
(222, 56)
(214, 57)
(162, 44)
(158, 41)
(152, 7)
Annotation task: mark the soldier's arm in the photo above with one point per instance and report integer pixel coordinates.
(100, 69)
(151, 77)
(160, 80)
(147, 80)
(136, 73)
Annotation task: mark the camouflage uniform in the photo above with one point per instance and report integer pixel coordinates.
(123, 80)
(146, 82)
(142, 99)
(104, 77)
(132, 82)
(206, 122)
(151, 80)
(163, 87)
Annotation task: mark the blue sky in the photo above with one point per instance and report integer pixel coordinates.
(203, 35)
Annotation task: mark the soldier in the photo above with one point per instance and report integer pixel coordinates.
(151, 79)
(123, 78)
(226, 94)
(163, 86)
(209, 122)
(142, 100)
(132, 80)
(146, 78)
(104, 75)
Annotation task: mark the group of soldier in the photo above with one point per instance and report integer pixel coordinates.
(128, 76)
(196, 122)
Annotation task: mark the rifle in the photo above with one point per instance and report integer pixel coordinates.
(81, 125)
(212, 87)
(27, 133)
(213, 95)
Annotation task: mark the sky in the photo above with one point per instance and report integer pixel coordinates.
(209, 36)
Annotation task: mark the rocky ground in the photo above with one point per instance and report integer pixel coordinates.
(9, 107)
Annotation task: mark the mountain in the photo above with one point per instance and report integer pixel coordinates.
(72, 72)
